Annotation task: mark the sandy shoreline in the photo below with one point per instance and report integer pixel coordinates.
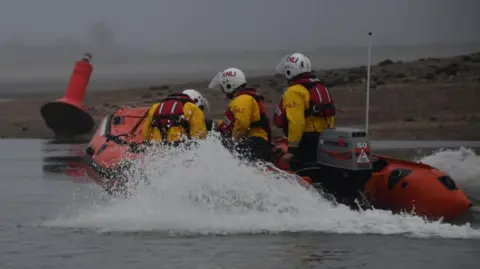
(433, 98)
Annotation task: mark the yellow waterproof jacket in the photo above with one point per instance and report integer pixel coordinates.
(193, 115)
(296, 100)
(245, 111)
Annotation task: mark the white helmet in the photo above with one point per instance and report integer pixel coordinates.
(293, 65)
(197, 97)
(228, 80)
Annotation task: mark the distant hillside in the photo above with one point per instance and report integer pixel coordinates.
(21, 54)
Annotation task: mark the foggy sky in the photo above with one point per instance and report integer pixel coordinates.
(186, 25)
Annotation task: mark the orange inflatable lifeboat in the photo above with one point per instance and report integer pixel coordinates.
(400, 185)
(385, 182)
(110, 148)
(345, 169)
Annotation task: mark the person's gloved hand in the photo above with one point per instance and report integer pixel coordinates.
(287, 158)
(290, 155)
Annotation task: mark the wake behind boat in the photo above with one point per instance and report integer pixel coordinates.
(345, 169)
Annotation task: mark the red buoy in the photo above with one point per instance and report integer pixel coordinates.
(67, 116)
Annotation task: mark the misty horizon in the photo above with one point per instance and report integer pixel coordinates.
(171, 27)
(187, 25)
(189, 39)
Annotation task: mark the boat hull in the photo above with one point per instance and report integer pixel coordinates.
(393, 184)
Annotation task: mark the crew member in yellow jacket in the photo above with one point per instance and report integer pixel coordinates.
(305, 110)
(245, 121)
(178, 116)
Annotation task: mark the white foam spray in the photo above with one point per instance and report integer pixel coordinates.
(206, 190)
(463, 165)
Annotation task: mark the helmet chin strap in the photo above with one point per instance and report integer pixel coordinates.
(232, 94)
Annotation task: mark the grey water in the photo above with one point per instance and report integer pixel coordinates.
(38, 183)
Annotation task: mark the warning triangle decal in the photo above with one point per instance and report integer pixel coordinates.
(363, 158)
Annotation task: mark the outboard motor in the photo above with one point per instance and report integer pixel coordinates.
(343, 165)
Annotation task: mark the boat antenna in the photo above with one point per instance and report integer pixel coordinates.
(367, 106)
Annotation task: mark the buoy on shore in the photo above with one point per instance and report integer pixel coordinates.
(67, 116)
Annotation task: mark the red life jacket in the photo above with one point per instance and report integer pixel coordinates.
(169, 113)
(226, 127)
(321, 102)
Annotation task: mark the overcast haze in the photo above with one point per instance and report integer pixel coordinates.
(177, 26)
(174, 25)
